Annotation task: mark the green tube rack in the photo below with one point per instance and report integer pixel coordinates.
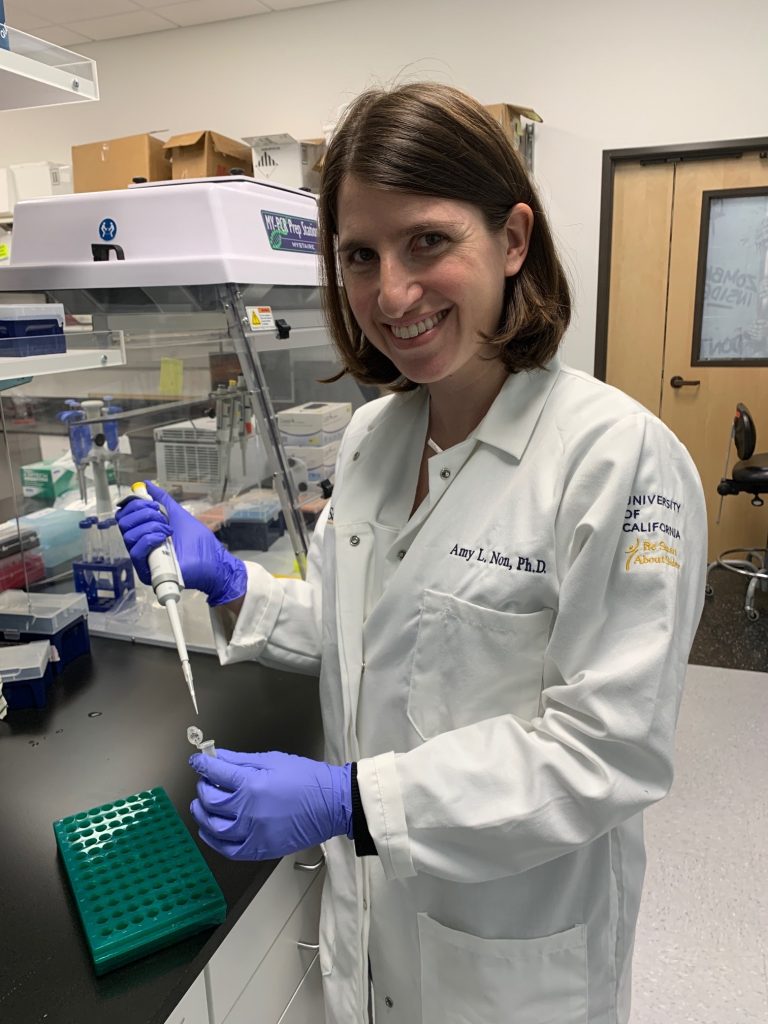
(138, 878)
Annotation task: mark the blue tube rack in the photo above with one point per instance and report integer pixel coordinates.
(104, 583)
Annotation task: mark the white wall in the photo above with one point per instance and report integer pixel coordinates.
(603, 73)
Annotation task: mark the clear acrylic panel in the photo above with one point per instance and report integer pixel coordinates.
(181, 409)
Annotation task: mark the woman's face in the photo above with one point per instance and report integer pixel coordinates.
(425, 277)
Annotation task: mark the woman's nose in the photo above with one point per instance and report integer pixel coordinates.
(398, 290)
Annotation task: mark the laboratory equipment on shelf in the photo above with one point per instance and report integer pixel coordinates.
(167, 583)
(215, 291)
(94, 441)
(234, 423)
(32, 330)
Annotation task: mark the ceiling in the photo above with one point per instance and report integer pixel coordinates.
(74, 22)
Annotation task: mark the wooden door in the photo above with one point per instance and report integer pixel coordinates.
(654, 264)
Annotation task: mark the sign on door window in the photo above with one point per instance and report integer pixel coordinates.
(731, 311)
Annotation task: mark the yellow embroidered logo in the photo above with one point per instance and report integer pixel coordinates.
(646, 552)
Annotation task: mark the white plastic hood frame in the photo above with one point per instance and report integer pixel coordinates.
(195, 232)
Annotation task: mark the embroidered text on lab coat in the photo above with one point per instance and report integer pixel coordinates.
(514, 563)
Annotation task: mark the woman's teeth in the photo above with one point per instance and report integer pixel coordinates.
(418, 328)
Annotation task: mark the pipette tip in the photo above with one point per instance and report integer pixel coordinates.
(190, 685)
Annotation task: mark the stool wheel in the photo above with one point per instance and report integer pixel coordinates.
(709, 590)
(753, 615)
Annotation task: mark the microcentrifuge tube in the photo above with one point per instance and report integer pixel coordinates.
(195, 737)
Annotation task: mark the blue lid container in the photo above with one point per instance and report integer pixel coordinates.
(59, 619)
(25, 675)
(31, 330)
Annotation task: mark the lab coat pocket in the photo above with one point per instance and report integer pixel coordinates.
(471, 663)
(469, 980)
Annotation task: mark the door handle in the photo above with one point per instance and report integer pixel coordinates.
(313, 947)
(678, 382)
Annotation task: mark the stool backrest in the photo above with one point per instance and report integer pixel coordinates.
(744, 433)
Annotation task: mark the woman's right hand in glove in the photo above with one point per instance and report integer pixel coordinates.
(205, 563)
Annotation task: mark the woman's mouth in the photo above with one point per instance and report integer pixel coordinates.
(419, 327)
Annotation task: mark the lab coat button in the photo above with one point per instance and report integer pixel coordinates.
(401, 555)
(365, 904)
(356, 456)
(354, 540)
(388, 1003)
(445, 473)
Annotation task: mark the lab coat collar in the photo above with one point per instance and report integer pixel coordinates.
(510, 422)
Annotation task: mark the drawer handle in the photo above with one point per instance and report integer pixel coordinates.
(298, 866)
(314, 947)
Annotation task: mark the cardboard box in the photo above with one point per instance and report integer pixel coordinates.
(7, 191)
(206, 154)
(314, 423)
(286, 161)
(48, 479)
(510, 117)
(98, 166)
(43, 178)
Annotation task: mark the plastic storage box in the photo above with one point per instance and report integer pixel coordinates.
(26, 673)
(314, 423)
(16, 571)
(60, 619)
(59, 533)
(15, 538)
(32, 330)
(256, 506)
(139, 880)
(243, 534)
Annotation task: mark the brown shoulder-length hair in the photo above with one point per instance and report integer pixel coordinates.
(433, 140)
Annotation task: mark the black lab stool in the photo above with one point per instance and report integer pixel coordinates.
(749, 475)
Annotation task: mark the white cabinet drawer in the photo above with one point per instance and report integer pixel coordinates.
(240, 954)
(280, 972)
(193, 1008)
(307, 1006)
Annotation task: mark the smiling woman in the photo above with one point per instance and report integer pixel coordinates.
(500, 663)
(426, 140)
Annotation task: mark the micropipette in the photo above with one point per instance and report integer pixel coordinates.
(167, 583)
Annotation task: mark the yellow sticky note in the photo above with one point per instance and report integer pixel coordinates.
(171, 376)
(5, 252)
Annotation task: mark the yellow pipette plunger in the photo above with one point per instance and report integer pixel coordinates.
(167, 583)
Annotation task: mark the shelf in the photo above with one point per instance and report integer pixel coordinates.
(85, 352)
(35, 73)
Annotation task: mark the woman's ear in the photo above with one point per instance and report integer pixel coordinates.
(518, 233)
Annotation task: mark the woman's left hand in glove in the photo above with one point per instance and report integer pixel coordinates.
(265, 806)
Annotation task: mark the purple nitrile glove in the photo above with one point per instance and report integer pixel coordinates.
(204, 561)
(264, 806)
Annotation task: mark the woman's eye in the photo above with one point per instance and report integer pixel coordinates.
(359, 257)
(430, 240)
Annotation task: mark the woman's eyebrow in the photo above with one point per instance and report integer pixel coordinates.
(419, 228)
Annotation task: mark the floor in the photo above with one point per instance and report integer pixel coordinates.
(702, 944)
(726, 638)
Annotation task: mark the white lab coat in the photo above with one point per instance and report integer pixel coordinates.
(509, 688)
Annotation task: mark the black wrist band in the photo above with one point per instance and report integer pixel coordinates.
(364, 844)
